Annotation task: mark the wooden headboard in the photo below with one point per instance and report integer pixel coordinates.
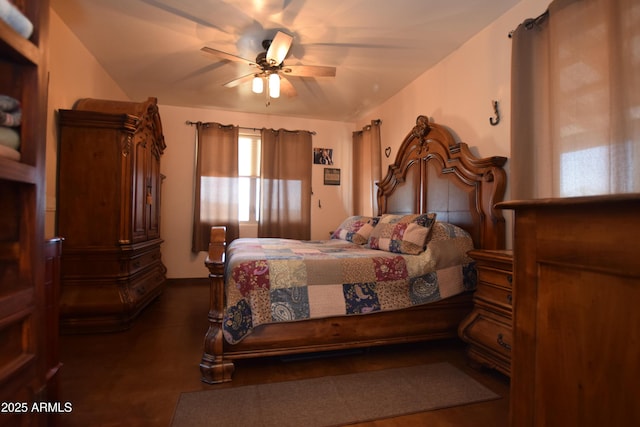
(433, 173)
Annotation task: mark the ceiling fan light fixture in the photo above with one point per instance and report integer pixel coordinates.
(269, 65)
(257, 85)
(274, 85)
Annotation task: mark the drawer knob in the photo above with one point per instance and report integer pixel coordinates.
(502, 343)
(510, 278)
(509, 299)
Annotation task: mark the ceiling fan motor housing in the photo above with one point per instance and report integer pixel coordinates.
(270, 63)
(262, 60)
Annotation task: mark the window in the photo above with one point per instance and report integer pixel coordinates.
(573, 180)
(249, 146)
(575, 86)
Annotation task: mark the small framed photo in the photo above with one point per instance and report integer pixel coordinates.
(331, 176)
(322, 156)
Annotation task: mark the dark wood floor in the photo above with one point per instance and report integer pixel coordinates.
(134, 378)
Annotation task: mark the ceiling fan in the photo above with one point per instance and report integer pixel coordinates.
(270, 70)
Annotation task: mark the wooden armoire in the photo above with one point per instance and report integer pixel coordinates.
(108, 212)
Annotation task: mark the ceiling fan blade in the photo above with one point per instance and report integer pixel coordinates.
(238, 81)
(287, 89)
(309, 71)
(224, 55)
(279, 48)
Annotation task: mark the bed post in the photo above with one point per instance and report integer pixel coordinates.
(213, 367)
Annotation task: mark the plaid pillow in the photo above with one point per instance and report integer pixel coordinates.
(404, 234)
(355, 229)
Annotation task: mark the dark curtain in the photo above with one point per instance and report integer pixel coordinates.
(285, 207)
(367, 169)
(216, 183)
(576, 100)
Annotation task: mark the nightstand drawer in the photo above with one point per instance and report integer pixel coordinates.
(495, 295)
(486, 331)
(495, 276)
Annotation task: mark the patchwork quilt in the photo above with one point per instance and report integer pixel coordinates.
(280, 280)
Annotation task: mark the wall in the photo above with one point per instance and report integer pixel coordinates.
(178, 165)
(458, 92)
(74, 73)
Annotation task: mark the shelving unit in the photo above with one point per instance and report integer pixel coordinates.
(23, 363)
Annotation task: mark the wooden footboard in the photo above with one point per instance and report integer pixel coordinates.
(213, 367)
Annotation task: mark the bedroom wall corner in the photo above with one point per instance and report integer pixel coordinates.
(74, 73)
(459, 92)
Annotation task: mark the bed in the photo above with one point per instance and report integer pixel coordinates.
(435, 182)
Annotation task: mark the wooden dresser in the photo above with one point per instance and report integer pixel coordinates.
(487, 329)
(109, 188)
(576, 347)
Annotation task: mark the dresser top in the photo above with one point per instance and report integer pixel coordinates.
(570, 201)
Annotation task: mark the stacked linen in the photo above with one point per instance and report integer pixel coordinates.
(10, 14)
(10, 119)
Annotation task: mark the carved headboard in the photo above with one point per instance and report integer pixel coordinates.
(433, 173)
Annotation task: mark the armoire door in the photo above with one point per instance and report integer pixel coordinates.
(154, 181)
(146, 197)
(141, 190)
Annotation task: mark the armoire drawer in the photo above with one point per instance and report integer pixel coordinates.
(140, 261)
(147, 285)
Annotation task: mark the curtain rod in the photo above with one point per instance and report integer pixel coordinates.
(373, 122)
(530, 22)
(367, 127)
(190, 123)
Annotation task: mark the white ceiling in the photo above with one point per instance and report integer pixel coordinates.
(152, 47)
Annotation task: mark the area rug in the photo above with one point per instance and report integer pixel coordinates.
(332, 400)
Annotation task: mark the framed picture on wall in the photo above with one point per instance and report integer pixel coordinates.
(331, 176)
(323, 156)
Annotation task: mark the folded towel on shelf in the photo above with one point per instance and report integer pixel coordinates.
(9, 138)
(11, 119)
(15, 19)
(8, 103)
(10, 153)
(10, 111)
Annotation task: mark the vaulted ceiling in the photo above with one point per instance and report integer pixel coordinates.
(153, 47)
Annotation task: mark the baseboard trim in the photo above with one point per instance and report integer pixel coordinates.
(188, 281)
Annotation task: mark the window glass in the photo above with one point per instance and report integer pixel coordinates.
(249, 173)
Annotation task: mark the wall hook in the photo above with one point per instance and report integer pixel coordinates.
(496, 120)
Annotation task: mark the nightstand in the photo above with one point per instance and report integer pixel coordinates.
(488, 328)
